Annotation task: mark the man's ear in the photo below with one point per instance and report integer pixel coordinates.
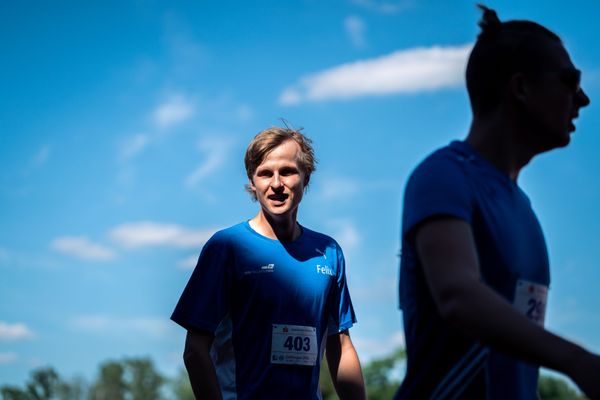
(306, 180)
(519, 87)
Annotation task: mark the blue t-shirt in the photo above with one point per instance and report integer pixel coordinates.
(442, 361)
(253, 293)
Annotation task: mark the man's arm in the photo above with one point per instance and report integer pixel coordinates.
(446, 249)
(199, 365)
(344, 367)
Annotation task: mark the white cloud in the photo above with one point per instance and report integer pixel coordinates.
(244, 112)
(189, 262)
(216, 153)
(38, 160)
(132, 146)
(355, 28)
(404, 71)
(14, 332)
(8, 358)
(102, 324)
(174, 110)
(385, 7)
(147, 233)
(42, 156)
(4, 256)
(81, 247)
(345, 233)
(333, 188)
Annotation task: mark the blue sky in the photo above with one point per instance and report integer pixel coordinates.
(123, 127)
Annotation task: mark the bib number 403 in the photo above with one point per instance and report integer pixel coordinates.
(297, 343)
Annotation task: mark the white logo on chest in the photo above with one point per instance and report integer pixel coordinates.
(324, 269)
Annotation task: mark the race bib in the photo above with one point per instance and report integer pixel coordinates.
(530, 299)
(294, 344)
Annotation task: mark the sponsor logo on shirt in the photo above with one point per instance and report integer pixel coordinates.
(265, 269)
(321, 253)
(324, 269)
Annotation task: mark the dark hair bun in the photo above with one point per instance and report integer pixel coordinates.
(489, 20)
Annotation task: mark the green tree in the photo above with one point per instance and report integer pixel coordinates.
(43, 384)
(379, 382)
(325, 382)
(13, 393)
(181, 387)
(142, 379)
(110, 384)
(551, 388)
(378, 376)
(76, 389)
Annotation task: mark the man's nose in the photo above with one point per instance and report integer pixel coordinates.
(276, 182)
(582, 98)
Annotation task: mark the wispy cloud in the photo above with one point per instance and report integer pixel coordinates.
(385, 7)
(147, 233)
(355, 28)
(189, 262)
(81, 247)
(345, 233)
(42, 156)
(38, 160)
(8, 358)
(4, 256)
(132, 146)
(404, 71)
(14, 332)
(172, 111)
(215, 153)
(337, 187)
(102, 324)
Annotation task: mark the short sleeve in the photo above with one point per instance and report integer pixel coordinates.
(205, 301)
(438, 187)
(341, 313)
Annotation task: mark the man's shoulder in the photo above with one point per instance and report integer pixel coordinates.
(444, 165)
(453, 154)
(229, 235)
(321, 240)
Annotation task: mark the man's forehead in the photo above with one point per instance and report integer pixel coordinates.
(286, 151)
(556, 55)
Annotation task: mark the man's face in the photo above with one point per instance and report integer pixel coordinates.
(279, 182)
(554, 101)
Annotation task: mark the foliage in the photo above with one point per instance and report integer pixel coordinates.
(551, 388)
(378, 375)
(181, 387)
(137, 379)
(130, 379)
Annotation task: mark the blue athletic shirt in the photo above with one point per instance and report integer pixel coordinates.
(442, 361)
(255, 294)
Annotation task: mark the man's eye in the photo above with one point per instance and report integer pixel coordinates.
(572, 78)
(288, 171)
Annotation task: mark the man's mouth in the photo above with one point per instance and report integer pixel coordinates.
(278, 197)
(572, 123)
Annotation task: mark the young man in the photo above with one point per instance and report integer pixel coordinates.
(474, 268)
(268, 295)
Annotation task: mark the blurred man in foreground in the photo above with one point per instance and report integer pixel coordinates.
(474, 269)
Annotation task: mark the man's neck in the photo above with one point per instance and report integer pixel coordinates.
(496, 139)
(283, 228)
